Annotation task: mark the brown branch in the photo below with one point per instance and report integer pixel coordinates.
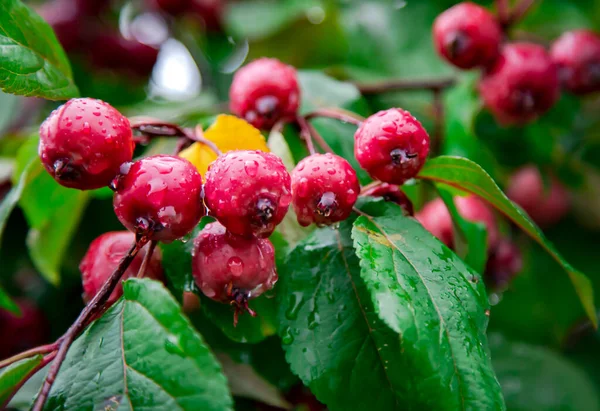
(337, 114)
(518, 12)
(502, 9)
(402, 84)
(305, 134)
(147, 258)
(42, 349)
(45, 361)
(89, 311)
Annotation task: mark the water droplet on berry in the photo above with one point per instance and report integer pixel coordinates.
(235, 266)
(251, 167)
(295, 301)
(86, 128)
(389, 127)
(78, 117)
(331, 171)
(302, 188)
(209, 292)
(96, 113)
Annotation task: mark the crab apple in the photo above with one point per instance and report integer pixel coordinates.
(159, 197)
(392, 193)
(84, 142)
(22, 332)
(248, 192)
(436, 218)
(324, 189)
(103, 257)
(544, 206)
(521, 85)
(577, 55)
(109, 50)
(467, 35)
(391, 146)
(265, 91)
(232, 269)
(504, 263)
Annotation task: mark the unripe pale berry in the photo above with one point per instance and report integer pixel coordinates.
(232, 269)
(544, 206)
(23, 332)
(391, 146)
(84, 142)
(248, 192)
(264, 92)
(577, 55)
(103, 257)
(392, 193)
(467, 35)
(504, 263)
(159, 197)
(436, 218)
(325, 188)
(521, 85)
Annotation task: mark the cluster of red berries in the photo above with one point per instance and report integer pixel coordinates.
(520, 81)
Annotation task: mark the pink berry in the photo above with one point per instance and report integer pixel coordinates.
(248, 191)
(23, 332)
(391, 193)
(521, 85)
(232, 269)
(436, 218)
(324, 188)
(159, 197)
(84, 142)
(544, 206)
(391, 146)
(104, 255)
(577, 54)
(504, 263)
(467, 35)
(264, 92)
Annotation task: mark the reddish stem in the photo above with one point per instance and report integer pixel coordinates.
(502, 9)
(393, 85)
(337, 114)
(146, 260)
(31, 373)
(519, 12)
(94, 306)
(305, 134)
(42, 349)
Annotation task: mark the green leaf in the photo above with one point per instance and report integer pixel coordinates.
(468, 176)
(13, 196)
(13, 374)
(8, 304)
(143, 353)
(33, 62)
(536, 378)
(437, 306)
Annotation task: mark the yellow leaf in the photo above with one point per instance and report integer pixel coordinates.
(199, 155)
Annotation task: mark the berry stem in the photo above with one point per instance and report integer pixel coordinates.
(402, 84)
(502, 8)
(305, 134)
(337, 114)
(45, 361)
(518, 12)
(147, 258)
(42, 349)
(88, 312)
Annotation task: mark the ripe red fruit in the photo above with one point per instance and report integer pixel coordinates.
(436, 218)
(392, 193)
(23, 332)
(264, 91)
(111, 51)
(391, 146)
(84, 142)
(248, 191)
(544, 206)
(159, 197)
(521, 85)
(104, 255)
(232, 269)
(504, 263)
(467, 35)
(577, 54)
(324, 188)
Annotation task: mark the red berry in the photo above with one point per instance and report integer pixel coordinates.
(84, 142)
(264, 91)
(577, 54)
(436, 218)
(210, 11)
(467, 35)
(104, 255)
(391, 146)
(248, 191)
(521, 85)
(232, 269)
(544, 206)
(159, 197)
(111, 51)
(324, 188)
(504, 263)
(23, 332)
(392, 193)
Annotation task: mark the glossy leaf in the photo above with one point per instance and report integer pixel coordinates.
(435, 303)
(33, 62)
(13, 374)
(466, 175)
(142, 353)
(7, 303)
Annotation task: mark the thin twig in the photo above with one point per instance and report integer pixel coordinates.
(31, 373)
(402, 84)
(147, 258)
(337, 114)
(42, 349)
(502, 8)
(89, 311)
(319, 140)
(305, 134)
(519, 12)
